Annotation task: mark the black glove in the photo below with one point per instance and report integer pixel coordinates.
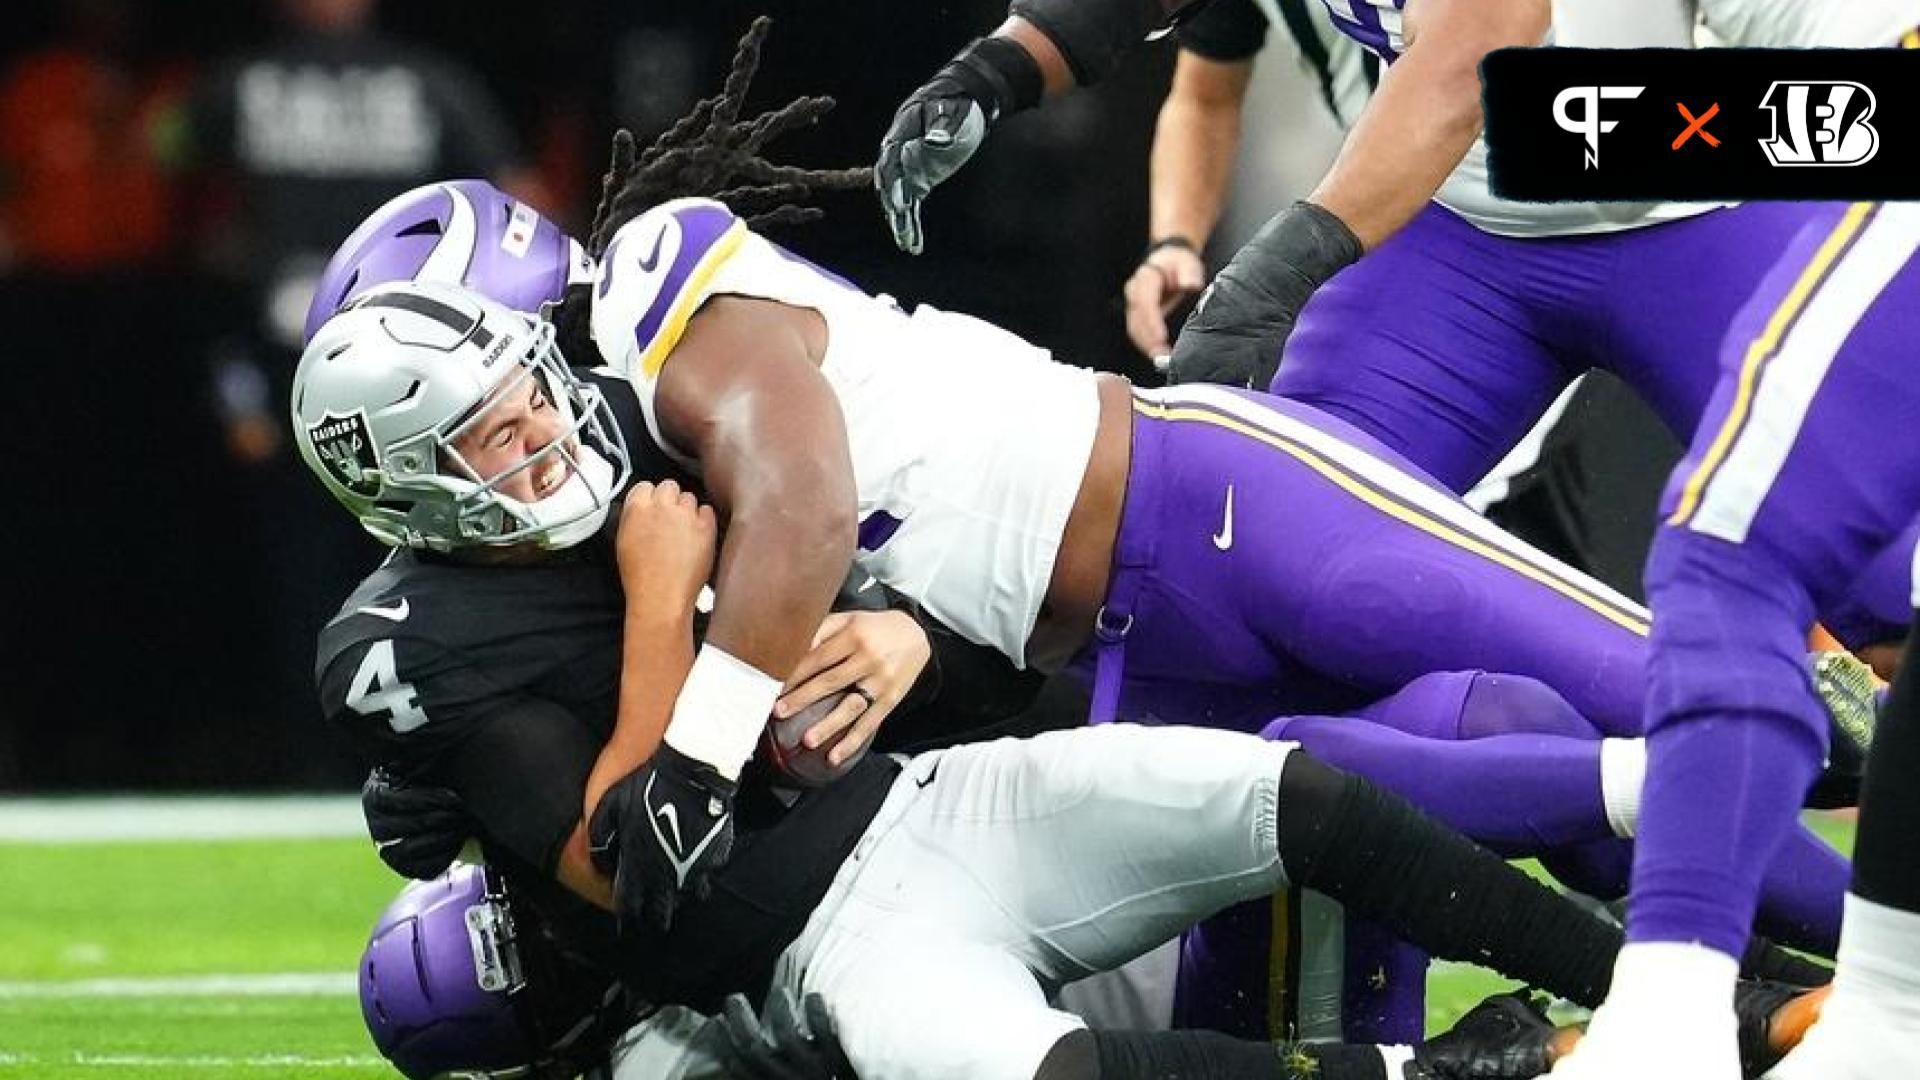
(417, 829)
(941, 124)
(661, 830)
(783, 1043)
(1238, 329)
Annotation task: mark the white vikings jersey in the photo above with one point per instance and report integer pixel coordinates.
(1378, 25)
(968, 443)
(1786, 24)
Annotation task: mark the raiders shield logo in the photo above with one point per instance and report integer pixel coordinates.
(345, 446)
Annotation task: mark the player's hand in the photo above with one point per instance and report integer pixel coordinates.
(1237, 332)
(941, 124)
(664, 546)
(791, 1040)
(661, 832)
(1163, 280)
(881, 652)
(418, 830)
(933, 134)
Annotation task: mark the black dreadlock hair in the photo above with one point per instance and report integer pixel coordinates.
(709, 152)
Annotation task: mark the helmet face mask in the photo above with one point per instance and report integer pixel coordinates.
(390, 385)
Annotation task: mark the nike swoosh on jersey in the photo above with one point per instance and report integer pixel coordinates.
(396, 613)
(1224, 538)
(652, 258)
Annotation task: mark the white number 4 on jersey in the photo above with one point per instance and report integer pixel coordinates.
(377, 688)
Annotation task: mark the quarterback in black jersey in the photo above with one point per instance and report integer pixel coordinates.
(513, 653)
(959, 885)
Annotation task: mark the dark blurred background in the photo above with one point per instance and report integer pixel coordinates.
(172, 175)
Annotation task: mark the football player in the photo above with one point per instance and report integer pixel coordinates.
(903, 895)
(967, 456)
(550, 475)
(1493, 305)
(461, 977)
(1765, 519)
(466, 227)
(1557, 795)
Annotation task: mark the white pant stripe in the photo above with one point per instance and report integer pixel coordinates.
(1793, 377)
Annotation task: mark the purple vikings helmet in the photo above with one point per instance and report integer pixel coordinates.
(461, 232)
(459, 981)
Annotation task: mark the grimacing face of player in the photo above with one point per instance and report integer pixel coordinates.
(519, 422)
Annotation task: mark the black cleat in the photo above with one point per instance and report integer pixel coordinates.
(1506, 1037)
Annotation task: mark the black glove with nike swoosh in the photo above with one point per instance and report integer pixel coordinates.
(661, 831)
(417, 829)
(1237, 331)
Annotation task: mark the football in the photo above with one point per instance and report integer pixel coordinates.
(807, 768)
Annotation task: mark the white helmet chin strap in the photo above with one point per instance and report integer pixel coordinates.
(575, 510)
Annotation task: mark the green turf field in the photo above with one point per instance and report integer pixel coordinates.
(109, 954)
(105, 950)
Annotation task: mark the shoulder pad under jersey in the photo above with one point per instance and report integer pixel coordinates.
(655, 274)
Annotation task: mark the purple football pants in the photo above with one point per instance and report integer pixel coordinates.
(1805, 467)
(1274, 562)
(1446, 343)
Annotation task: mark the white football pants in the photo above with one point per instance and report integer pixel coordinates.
(994, 873)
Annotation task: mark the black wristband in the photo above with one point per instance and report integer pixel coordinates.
(1174, 241)
(999, 73)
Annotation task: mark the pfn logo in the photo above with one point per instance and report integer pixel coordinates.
(1820, 123)
(1588, 124)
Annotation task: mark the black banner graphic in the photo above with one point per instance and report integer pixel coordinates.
(1702, 124)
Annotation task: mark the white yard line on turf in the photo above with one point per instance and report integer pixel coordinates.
(184, 818)
(292, 984)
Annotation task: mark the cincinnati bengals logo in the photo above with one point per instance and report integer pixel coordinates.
(345, 446)
(1820, 124)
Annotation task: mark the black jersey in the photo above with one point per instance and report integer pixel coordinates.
(501, 683)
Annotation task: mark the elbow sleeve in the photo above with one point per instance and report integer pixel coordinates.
(1094, 35)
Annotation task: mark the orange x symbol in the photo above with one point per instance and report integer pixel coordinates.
(1697, 125)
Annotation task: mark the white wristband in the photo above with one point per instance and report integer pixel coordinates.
(722, 710)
